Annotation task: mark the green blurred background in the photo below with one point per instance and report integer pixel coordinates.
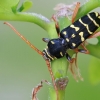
(21, 68)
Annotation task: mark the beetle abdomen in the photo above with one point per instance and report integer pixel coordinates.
(81, 29)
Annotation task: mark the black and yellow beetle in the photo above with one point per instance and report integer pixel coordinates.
(72, 36)
(69, 38)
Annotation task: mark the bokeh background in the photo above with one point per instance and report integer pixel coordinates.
(21, 68)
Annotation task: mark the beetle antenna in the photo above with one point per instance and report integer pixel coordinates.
(23, 38)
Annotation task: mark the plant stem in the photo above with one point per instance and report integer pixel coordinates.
(38, 19)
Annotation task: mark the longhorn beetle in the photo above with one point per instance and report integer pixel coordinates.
(69, 38)
(58, 46)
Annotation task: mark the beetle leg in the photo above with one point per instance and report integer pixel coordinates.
(73, 70)
(95, 34)
(37, 88)
(84, 50)
(76, 60)
(56, 25)
(38, 51)
(75, 11)
(69, 58)
(71, 61)
(78, 72)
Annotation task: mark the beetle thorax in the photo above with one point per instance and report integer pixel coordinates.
(56, 48)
